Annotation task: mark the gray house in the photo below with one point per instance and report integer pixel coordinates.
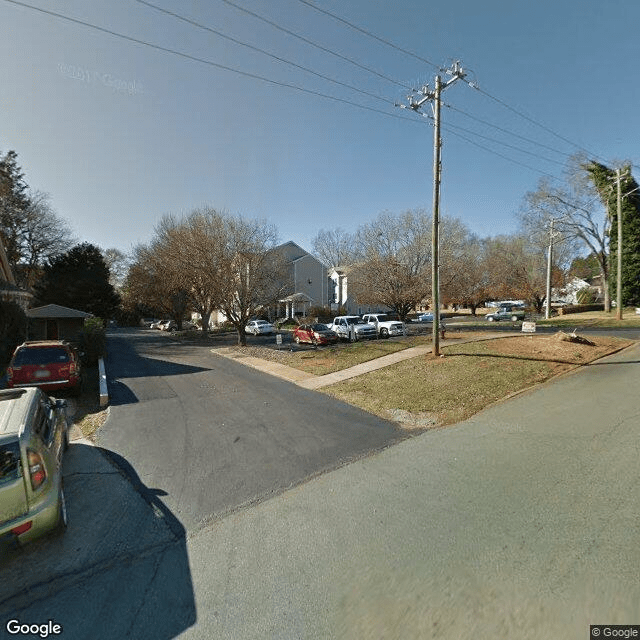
(309, 285)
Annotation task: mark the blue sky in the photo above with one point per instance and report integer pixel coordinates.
(120, 133)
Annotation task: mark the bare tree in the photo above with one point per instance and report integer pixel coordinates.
(578, 216)
(253, 273)
(148, 284)
(207, 261)
(118, 264)
(392, 261)
(517, 269)
(465, 277)
(334, 248)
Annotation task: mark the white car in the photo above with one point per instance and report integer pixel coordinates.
(259, 327)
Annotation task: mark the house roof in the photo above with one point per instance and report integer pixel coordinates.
(297, 297)
(56, 311)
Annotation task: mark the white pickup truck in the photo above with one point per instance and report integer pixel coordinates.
(385, 324)
(352, 328)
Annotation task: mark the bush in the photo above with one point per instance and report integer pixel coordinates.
(13, 330)
(93, 342)
(586, 296)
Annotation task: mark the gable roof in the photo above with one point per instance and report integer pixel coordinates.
(56, 311)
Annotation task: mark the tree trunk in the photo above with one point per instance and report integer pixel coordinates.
(205, 317)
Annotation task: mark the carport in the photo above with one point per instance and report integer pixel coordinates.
(54, 322)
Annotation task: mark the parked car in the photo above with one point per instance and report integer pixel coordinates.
(427, 317)
(352, 327)
(512, 313)
(156, 324)
(258, 327)
(168, 325)
(314, 334)
(48, 364)
(386, 324)
(33, 437)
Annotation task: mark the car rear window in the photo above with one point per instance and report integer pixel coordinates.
(9, 462)
(40, 355)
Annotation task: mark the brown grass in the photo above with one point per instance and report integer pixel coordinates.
(426, 392)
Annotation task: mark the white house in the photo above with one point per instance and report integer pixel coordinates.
(339, 296)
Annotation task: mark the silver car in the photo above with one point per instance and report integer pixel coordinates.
(33, 437)
(258, 327)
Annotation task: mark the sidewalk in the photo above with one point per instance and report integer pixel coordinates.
(311, 381)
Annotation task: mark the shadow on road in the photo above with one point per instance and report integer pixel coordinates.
(121, 569)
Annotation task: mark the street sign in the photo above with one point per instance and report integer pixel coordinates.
(528, 327)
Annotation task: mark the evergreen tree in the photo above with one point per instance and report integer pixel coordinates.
(14, 204)
(604, 180)
(79, 279)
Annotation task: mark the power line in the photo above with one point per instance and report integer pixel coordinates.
(504, 144)
(511, 133)
(210, 63)
(275, 25)
(259, 50)
(529, 119)
(369, 34)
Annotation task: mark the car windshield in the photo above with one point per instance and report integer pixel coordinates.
(41, 355)
(356, 321)
(319, 327)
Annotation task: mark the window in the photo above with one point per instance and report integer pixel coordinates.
(10, 468)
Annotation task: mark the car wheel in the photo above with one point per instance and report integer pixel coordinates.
(514, 318)
(62, 513)
(490, 318)
(384, 333)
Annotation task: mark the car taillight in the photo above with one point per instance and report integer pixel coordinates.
(22, 528)
(36, 469)
(72, 368)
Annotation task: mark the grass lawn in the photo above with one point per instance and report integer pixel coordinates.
(595, 319)
(426, 392)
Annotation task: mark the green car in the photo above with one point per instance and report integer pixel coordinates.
(33, 437)
(506, 313)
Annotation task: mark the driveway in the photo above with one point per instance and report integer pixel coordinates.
(215, 435)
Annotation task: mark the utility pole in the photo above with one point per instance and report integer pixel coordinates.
(456, 72)
(547, 310)
(619, 274)
(435, 230)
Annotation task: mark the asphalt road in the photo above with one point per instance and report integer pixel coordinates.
(212, 434)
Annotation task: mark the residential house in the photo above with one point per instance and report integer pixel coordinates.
(55, 322)
(340, 298)
(308, 282)
(569, 293)
(306, 285)
(9, 290)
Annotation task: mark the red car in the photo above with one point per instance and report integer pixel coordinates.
(48, 364)
(314, 334)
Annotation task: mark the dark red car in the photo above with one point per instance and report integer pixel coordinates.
(314, 334)
(48, 364)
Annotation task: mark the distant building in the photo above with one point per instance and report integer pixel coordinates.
(341, 298)
(308, 282)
